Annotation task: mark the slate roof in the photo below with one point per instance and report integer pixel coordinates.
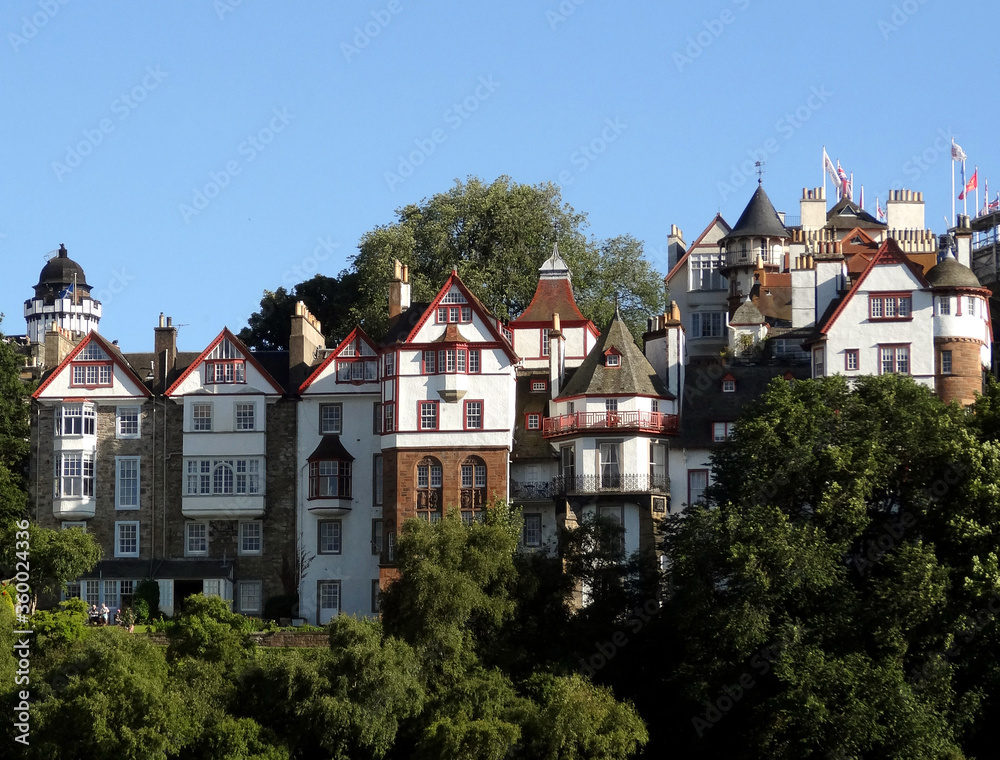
(553, 294)
(704, 405)
(330, 447)
(759, 219)
(747, 314)
(846, 215)
(400, 327)
(529, 443)
(951, 273)
(634, 377)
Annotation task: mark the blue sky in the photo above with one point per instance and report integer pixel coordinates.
(192, 154)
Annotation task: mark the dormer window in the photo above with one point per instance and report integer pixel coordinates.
(612, 358)
(91, 368)
(225, 364)
(729, 384)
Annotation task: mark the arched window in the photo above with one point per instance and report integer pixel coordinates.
(430, 478)
(473, 489)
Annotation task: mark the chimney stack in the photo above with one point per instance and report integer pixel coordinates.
(306, 337)
(399, 289)
(59, 343)
(165, 348)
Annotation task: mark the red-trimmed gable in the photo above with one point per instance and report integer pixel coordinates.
(488, 319)
(109, 349)
(355, 335)
(683, 259)
(888, 254)
(247, 355)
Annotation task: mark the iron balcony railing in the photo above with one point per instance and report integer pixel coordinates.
(532, 490)
(645, 422)
(621, 483)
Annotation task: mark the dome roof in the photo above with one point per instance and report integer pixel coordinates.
(950, 273)
(60, 270)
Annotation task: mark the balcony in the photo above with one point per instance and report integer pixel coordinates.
(543, 489)
(636, 482)
(640, 422)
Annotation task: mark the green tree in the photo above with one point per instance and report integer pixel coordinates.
(14, 448)
(208, 630)
(818, 604)
(58, 556)
(332, 300)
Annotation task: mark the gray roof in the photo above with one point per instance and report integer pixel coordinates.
(635, 375)
(759, 219)
(950, 273)
(747, 314)
(847, 215)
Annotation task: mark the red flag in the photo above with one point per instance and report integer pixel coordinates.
(972, 184)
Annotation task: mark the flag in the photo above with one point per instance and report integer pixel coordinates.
(879, 211)
(845, 183)
(972, 184)
(67, 291)
(831, 170)
(957, 154)
(995, 204)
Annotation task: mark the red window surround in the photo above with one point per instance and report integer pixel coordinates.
(225, 371)
(91, 375)
(474, 412)
(454, 313)
(851, 360)
(454, 360)
(889, 307)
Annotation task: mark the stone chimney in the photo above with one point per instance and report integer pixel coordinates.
(59, 342)
(557, 356)
(676, 246)
(399, 289)
(306, 338)
(812, 208)
(165, 350)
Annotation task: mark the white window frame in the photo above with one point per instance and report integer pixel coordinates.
(121, 419)
(207, 477)
(331, 429)
(120, 465)
(708, 324)
(240, 423)
(250, 590)
(337, 537)
(86, 413)
(191, 530)
(532, 536)
(81, 482)
(329, 595)
(722, 431)
(251, 531)
(120, 526)
(946, 362)
(201, 423)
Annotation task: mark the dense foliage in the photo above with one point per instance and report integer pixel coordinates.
(496, 235)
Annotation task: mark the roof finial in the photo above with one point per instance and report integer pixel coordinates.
(62, 251)
(760, 172)
(617, 312)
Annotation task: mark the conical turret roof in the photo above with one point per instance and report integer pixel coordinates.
(759, 219)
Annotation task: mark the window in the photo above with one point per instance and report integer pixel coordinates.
(357, 370)
(729, 384)
(201, 416)
(74, 475)
(388, 418)
(887, 306)
(245, 416)
(127, 421)
(212, 587)
(377, 417)
(390, 548)
(609, 464)
(223, 477)
(330, 416)
(473, 498)
(111, 594)
(613, 360)
(708, 324)
(376, 536)
(329, 597)
(567, 463)
(430, 362)
(127, 539)
(251, 533)
(92, 592)
(330, 479)
(703, 273)
(474, 360)
(92, 353)
(428, 413)
(697, 483)
(545, 341)
(534, 422)
(722, 431)
(195, 539)
(657, 466)
(944, 305)
(654, 406)
(377, 480)
(819, 362)
(330, 532)
(894, 359)
(126, 482)
(389, 365)
(91, 375)
(473, 415)
(430, 478)
(971, 305)
(538, 385)
(76, 419)
(250, 594)
(946, 362)
(450, 360)
(851, 359)
(611, 405)
(376, 597)
(532, 534)
(232, 371)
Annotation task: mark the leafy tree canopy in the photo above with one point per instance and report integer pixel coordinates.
(496, 235)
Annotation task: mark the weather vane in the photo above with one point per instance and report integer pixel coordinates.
(760, 172)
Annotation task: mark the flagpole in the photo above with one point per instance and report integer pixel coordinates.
(977, 190)
(953, 182)
(850, 196)
(965, 195)
(824, 173)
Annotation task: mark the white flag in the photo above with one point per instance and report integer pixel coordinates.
(831, 170)
(957, 154)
